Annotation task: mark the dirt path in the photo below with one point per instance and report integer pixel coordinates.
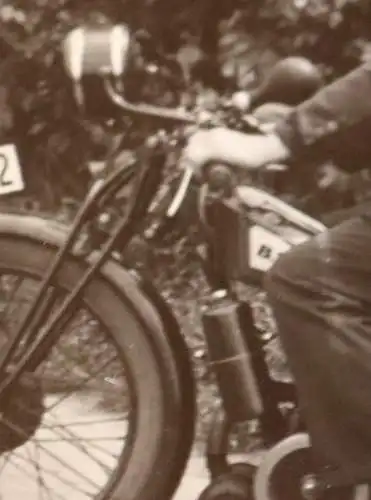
(64, 467)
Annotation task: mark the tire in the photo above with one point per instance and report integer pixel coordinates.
(283, 468)
(149, 472)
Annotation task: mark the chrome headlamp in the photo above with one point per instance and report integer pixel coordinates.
(102, 50)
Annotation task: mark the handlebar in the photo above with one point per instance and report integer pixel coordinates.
(172, 114)
(216, 176)
(148, 110)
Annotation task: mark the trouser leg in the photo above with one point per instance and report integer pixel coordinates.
(321, 298)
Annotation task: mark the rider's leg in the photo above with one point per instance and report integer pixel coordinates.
(331, 219)
(321, 297)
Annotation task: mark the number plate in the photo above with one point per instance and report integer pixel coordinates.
(265, 248)
(11, 177)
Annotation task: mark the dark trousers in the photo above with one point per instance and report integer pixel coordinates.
(321, 297)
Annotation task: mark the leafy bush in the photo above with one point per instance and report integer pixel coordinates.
(36, 103)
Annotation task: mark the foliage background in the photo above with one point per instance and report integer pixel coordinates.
(239, 38)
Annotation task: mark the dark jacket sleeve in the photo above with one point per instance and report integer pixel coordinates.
(335, 123)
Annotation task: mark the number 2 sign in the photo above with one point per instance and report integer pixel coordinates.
(11, 177)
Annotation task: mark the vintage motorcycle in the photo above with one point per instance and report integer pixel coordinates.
(78, 272)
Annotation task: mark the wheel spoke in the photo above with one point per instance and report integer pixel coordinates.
(72, 438)
(56, 476)
(81, 386)
(86, 423)
(40, 480)
(79, 452)
(66, 435)
(6, 461)
(52, 455)
(18, 462)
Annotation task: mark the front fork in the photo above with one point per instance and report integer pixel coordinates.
(236, 355)
(39, 335)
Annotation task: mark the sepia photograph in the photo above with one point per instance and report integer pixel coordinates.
(185, 250)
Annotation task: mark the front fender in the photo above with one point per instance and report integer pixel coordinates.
(54, 234)
(142, 298)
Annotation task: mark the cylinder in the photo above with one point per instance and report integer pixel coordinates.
(230, 360)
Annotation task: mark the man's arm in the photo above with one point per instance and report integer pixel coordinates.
(337, 118)
(339, 111)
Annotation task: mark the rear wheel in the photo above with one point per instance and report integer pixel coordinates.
(283, 470)
(99, 417)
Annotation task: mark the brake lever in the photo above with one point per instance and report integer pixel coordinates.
(181, 193)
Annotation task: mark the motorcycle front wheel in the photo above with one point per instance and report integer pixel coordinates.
(98, 418)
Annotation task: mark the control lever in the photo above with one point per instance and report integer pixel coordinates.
(181, 192)
(218, 177)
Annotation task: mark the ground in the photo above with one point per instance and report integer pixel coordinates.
(66, 470)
